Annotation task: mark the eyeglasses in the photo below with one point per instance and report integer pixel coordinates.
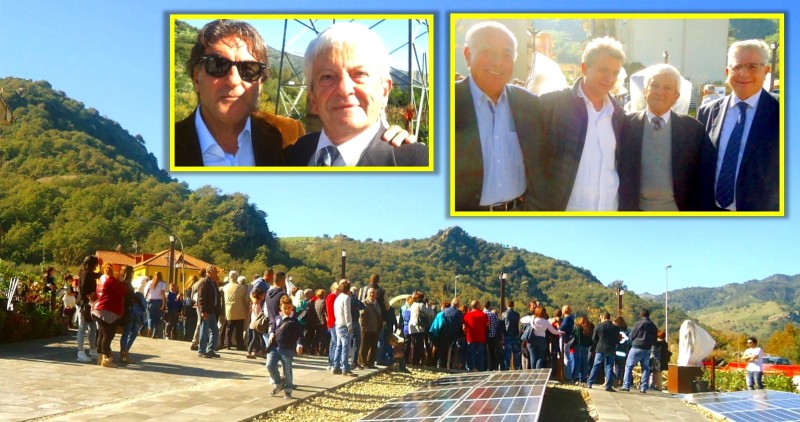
(249, 71)
(749, 67)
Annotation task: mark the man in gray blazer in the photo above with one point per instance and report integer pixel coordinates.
(495, 134)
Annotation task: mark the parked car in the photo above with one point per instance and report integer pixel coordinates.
(776, 360)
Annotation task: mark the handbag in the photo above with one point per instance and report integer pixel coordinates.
(261, 323)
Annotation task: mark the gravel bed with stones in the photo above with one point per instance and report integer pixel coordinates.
(355, 400)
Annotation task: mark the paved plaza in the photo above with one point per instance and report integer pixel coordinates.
(167, 381)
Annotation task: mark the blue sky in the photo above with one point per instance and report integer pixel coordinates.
(114, 57)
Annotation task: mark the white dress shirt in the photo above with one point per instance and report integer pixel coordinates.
(213, 155)
(597, 182)
(731, 116)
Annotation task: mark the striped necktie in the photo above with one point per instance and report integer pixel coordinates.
(327, 156)
(658, 123)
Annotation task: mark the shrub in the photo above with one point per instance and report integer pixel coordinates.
(735, 380)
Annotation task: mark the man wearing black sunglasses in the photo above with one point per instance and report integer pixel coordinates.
(347, 74)
(227, 65)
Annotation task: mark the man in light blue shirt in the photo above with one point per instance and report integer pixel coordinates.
(495, 136)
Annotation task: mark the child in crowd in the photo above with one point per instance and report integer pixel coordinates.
(659, 360)
(284, 338)
(68, 309)
(174, 304)
(398, 347)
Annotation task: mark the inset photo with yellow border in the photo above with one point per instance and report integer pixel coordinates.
(252, 93)
(617, 114)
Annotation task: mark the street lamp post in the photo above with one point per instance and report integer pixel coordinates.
(172, 238)
(503, 292)
(666, 56)
(344, 262)
(666, 301)
(455, 287)
(171, 272)
(620, 292)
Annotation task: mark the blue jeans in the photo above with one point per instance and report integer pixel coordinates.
(754, 380)
(154, 315)
(607, 360)
(129, 332)
(476, 358)
(512, 347)
(285, 356)
(340, 358)
(569, 367)
(581, 370)
(539, 352)
(209, 324)
(635, 356)
(332, 346)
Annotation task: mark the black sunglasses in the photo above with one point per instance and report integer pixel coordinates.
(249, 71)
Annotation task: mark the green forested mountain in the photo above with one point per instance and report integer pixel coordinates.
(757, 307)
(73, 181)
(431, 265)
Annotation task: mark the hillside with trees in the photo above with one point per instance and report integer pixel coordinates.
(73, 181)
(756, 307)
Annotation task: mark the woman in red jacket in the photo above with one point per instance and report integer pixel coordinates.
(108, 308)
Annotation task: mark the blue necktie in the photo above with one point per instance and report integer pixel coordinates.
(726, 181)
(327, 156)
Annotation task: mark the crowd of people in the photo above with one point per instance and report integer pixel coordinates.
(358, 328)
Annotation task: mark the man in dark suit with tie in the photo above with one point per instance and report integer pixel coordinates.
(660, 150)
(347, 72)
(495, 134)
(740, 170)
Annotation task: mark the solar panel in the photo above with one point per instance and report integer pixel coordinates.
(482, 396)
(746, 406)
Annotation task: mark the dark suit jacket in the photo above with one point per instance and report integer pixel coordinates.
(688, 138)
(605, 337)
(377, 153)
(757, 183)
(270, 133)
(469, 157)
(564, 120)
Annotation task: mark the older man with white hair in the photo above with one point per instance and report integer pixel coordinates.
(495, 132)
(660, 150)
(347, 72)
(741, 170)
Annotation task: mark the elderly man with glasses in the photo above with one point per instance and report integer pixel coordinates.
(740, 168)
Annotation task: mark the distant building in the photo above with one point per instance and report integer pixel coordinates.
(148, 264)
(697, 47)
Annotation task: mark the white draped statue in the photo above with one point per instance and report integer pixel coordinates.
(694, 344)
